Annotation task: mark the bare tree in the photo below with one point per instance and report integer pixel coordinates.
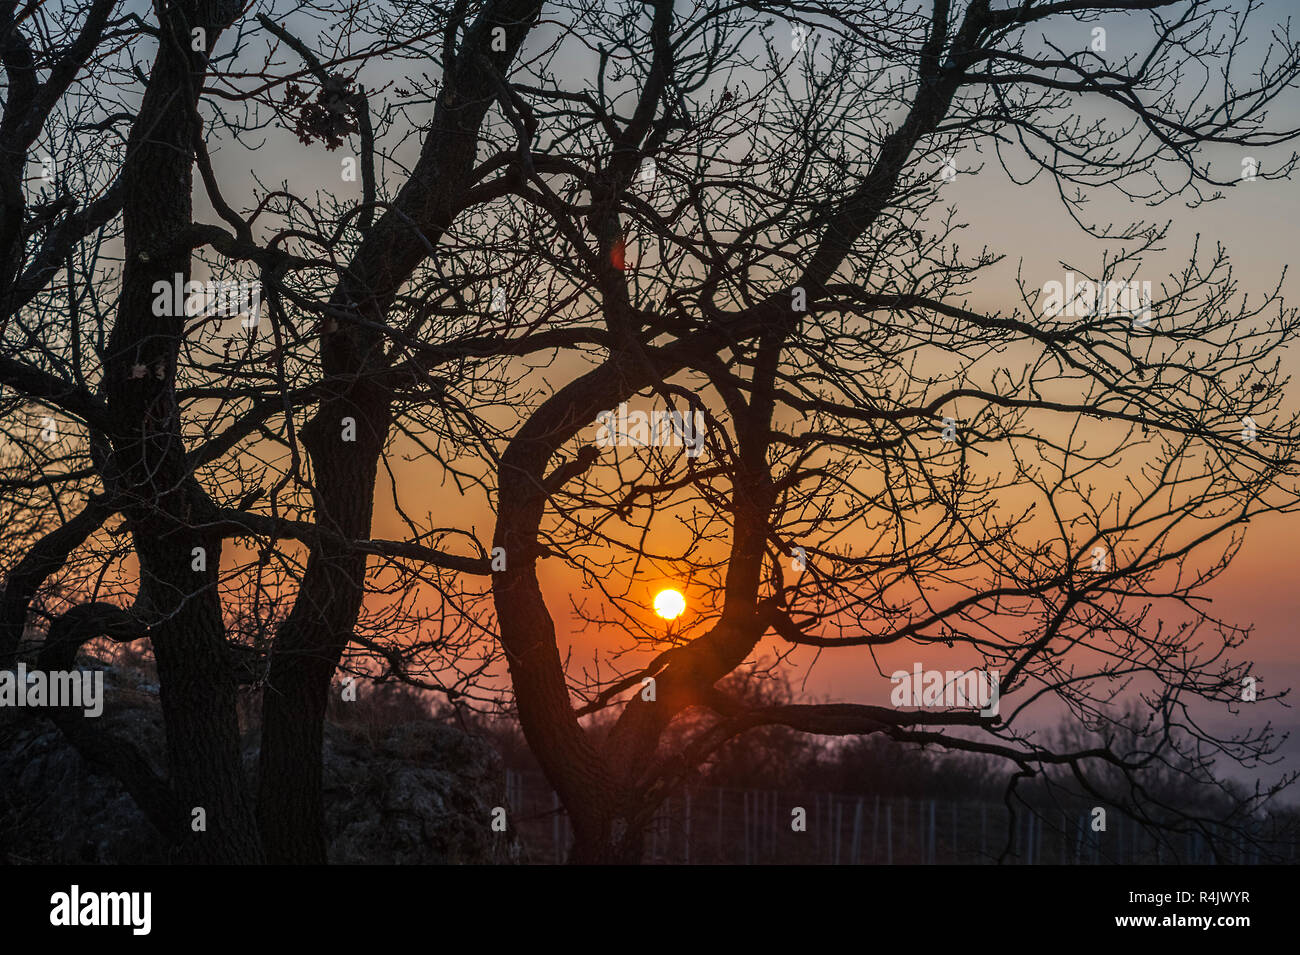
(789, 278)
(559, 208)
(133, 429)
(182, 443)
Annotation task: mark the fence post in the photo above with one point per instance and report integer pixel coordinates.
(902, 845)
(875, 825)
(774, 838)
(765, 829)
(816, 828)
(687, 843)
(555, 825)
(857, 830)
(839, 833)
(889, 831)
(721, 816)
(830, 828)
(930, 858)
(744, 802)
(654, 833)
(815, 815)
(921, 832)
(769, 816)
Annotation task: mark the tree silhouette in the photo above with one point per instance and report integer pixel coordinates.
(546, 212)
(1030, 483)
(159, 451)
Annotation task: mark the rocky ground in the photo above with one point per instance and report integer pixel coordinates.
(417, 792)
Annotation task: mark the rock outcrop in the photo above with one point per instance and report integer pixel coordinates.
(413, 793)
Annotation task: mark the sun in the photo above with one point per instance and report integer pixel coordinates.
(669, 604)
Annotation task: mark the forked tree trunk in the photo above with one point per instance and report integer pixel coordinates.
(311, 642)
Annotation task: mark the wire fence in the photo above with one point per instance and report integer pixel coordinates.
(711, 826)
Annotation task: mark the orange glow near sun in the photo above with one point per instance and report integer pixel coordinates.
(669, 604)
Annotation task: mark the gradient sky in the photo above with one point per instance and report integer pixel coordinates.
(1256, 222)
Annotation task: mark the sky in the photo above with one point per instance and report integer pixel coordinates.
(1255, 222)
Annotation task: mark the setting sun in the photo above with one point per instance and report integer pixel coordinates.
(669, 604)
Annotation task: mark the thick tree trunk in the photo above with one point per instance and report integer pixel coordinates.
(309, 645)
(610, 847)
(291, 812)
(580, 775)
(164, 505)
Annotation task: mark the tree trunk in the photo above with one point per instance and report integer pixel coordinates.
(311, 642)
(291, 811)
(165, 505)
